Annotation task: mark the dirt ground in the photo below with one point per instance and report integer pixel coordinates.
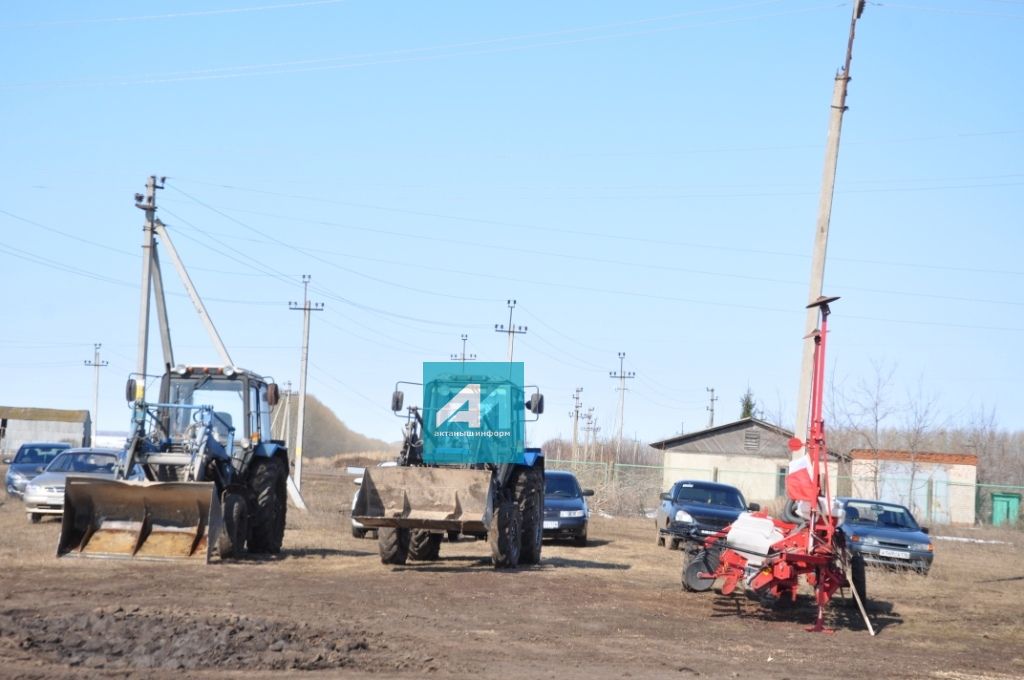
(614, 609)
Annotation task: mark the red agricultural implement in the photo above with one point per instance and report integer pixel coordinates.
(767, 556)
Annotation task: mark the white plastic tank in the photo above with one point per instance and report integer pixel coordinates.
(753, 537)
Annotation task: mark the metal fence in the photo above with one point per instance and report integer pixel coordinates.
(630, 490)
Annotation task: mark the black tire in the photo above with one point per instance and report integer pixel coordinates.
(358, 533)
(424, 546)
(231, 541)
(453, 536)
(268, 480)
(580, 541)
(700, 562)
(859, 578)
(393, 545)
(529, 490)
(34, 517)
(505, 535)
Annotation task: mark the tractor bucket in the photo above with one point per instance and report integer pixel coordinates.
(140, 520)
(442, 499)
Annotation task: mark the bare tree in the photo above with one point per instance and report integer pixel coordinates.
(919, 423)
(868, 407)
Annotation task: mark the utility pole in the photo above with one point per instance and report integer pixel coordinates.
(575, 415)
(591, 429)
(464, 357)
(287, 412)
(96, 365)
(828, 181)
(511, 330)
(711, 406)
(306, 307)
(621, 376)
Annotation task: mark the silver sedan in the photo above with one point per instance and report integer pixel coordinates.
(44, 495)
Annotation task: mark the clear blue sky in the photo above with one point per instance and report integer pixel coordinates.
(641, 177)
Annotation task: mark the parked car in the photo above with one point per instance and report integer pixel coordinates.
(696, 509)
(886, 534)
(358, 530)
(44, 495)
(566, 514)
(30, 460)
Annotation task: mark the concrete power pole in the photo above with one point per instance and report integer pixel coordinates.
(464, 357)
(511, 330)
(96, 365)
(711, 406)
(828, 181)
(575, 415)
(621, 376)
(300, 426)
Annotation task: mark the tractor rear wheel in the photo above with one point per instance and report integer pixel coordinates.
(505, 535)
(424, 546)
(232, 537)
(393, 544)
(268, 480)
(529, 490)
(700, 562)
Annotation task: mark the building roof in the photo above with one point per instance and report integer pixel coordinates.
(915, 456)
(51, 415)
(680, 439)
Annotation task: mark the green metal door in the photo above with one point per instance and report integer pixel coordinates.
(1005, 509)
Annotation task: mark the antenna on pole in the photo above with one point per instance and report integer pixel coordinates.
(464, 357)
(306, 307)
(621, 376)
(711, 406)
(511, 330)
(96, 364)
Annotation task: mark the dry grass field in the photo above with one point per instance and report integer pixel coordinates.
(327, 607)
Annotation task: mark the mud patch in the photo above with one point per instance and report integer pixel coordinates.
(134, 638)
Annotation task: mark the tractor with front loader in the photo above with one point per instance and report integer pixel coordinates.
(462, 469)
(216, 483)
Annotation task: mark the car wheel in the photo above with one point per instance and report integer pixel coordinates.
(858, 576)
(34, 517)
(581, 540)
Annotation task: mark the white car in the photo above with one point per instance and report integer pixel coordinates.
(44, 495)
(358, 530)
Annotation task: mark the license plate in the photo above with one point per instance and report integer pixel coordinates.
(551, 524)
(898, 554)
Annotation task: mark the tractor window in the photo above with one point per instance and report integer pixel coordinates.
(225, 396)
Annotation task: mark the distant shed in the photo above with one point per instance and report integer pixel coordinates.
(939, 488)
(20, 424)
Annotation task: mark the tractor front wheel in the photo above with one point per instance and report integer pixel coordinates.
(393, 544)
(424, 545)
(232, 537)
(529, 490)
(268, 480)
(505, 535)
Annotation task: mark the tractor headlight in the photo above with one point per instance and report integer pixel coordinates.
(683, 516)
(571, 513)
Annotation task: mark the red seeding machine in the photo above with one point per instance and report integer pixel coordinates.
(767, 556)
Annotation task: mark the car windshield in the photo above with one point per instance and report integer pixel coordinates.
(86, 461)
(879, 515)
(689, 493)
(38, 455)
(561, 485)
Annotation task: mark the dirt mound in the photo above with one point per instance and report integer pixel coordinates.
(133, 637)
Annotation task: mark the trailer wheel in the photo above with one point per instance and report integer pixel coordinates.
(701, 562)
(232, 537)
(505, 535)
(424, 546)
(393, 545)
(529, 489)
(268, 481)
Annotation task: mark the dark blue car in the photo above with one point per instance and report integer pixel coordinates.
(695, 509)
(30, 461)
(566, 514)
(886, 534)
